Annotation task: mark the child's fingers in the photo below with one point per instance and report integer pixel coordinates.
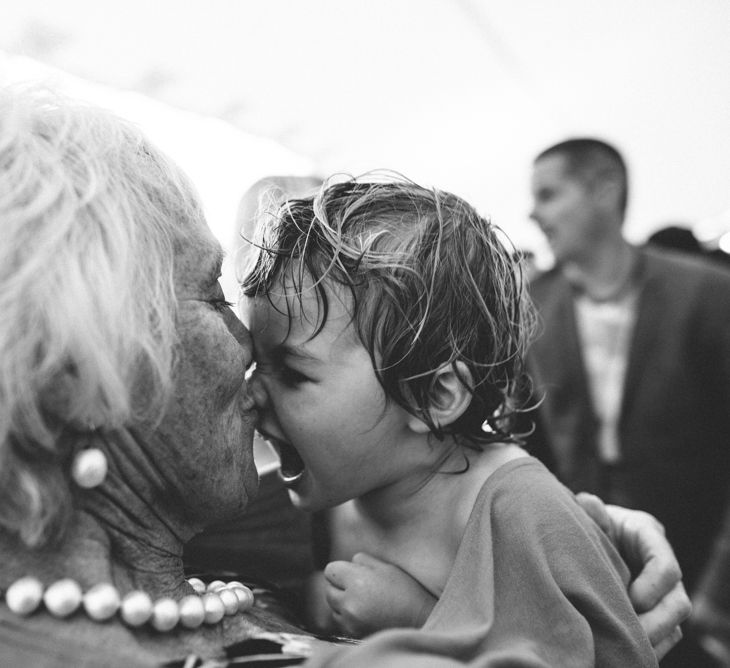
(364, 559)
(334, 597)
(337, 572)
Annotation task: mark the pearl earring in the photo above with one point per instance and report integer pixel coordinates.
(89, 468)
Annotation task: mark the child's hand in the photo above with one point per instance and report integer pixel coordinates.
(367, 595)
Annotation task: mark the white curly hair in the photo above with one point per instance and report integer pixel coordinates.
(89, 221)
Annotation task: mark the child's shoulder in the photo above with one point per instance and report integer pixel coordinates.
(521, 498)
(524, 486)
(530, 546)
(511, 470)
(523, 503)
(508, 487)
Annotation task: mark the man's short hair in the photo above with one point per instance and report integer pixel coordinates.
(591, 160)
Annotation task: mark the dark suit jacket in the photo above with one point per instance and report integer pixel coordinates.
(674, 427)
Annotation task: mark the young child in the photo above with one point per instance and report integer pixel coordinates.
(389, 324)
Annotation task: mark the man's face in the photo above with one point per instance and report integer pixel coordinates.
(564, 208)
(320, 402)
(206, 435)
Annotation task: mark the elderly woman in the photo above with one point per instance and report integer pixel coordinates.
(126, 419)
(126, 423)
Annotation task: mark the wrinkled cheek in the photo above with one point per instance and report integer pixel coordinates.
(211, 355)
(217, 377)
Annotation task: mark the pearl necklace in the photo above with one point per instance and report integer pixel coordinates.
(208, 605)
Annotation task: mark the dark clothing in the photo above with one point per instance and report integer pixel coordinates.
(711, 614)
(270, 545)
(23, 646)
(535, 583)
(674, 427)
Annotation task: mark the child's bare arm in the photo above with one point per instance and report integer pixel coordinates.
(367, 595)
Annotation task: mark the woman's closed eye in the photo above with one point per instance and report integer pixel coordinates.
(220, 304)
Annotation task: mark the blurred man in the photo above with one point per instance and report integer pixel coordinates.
(711, 614)
(633, 360)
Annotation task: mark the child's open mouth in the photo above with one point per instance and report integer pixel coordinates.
(292, 467)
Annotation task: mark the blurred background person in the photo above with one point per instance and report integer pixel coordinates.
(633, 360)
(681, 238)
(711, 614)
(267, 194)
(264, 198)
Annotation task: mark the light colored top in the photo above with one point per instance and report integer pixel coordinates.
(604, 330)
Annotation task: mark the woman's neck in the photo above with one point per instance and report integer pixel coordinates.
(90, 553)
(145, 550)
(128, 531)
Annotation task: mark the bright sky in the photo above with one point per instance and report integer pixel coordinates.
(455, 93)
(221, 160)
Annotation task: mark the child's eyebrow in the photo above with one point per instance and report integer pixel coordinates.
(284, 350)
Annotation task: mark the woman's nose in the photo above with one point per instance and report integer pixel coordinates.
(258, 390)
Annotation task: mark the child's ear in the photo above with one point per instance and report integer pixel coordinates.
(450, 397)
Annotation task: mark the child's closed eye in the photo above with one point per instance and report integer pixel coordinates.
(283, 373)
(292, 377)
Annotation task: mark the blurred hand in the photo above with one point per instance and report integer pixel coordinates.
(657, 593)
(367, 595)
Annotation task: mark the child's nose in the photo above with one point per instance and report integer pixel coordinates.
(258, 391)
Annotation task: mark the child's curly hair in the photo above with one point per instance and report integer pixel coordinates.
(431, 284)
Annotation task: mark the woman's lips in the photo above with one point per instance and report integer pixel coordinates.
(246, 400)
